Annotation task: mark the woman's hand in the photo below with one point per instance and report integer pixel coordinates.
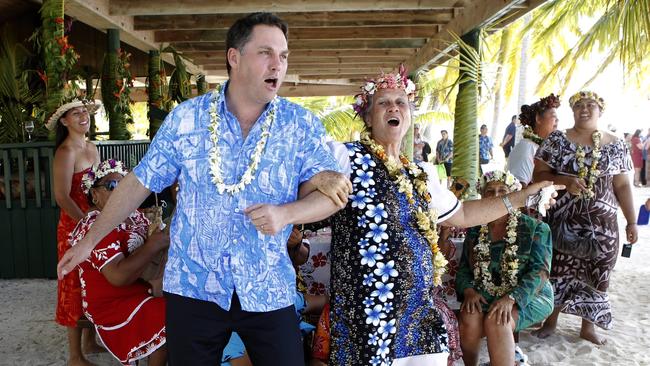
(631, 233)
(159, 239)
(575, 185)
(472, 301)
(502, 310)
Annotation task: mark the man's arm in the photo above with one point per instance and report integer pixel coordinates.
(271, 219)
(126, 198)
(506, 139)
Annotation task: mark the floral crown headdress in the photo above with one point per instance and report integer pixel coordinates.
(587, 94)
(399, 80)
(504, 177)
(104, 168)
(529, 112)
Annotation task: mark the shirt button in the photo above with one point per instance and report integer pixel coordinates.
(234, 241)
(237, 209)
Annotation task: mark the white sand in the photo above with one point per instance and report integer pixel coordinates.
(29, 335)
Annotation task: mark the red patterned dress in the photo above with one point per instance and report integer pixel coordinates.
(128, 320)
(68, 306)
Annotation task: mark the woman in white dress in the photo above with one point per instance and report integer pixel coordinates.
(539, 120)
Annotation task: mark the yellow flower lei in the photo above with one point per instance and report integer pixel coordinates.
(215, 156)
(426, 219)
(509, 259)
(591, 174)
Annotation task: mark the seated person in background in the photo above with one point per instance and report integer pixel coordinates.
(502, 278)
(128, 320)
(235, 352)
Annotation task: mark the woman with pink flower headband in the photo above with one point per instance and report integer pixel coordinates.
(385, 259)
(74, 156)
(127, 318)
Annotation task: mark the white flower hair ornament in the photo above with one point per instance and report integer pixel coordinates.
(504, 177)
(103, 169)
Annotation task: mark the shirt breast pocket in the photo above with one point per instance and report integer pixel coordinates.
(193, 145)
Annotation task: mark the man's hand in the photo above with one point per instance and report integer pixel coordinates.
(73, 256)
(268, 219)
(334, 185)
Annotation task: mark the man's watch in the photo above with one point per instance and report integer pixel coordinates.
(512, 298)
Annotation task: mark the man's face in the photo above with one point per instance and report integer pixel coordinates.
(261, 65)
(483, 131)
(444, 135)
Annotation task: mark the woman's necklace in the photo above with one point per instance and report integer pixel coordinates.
(589, 175)
(215, 155)
(532, 136)
(509, 260)
(426, 219)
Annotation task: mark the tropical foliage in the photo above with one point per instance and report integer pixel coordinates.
(117, 82)
(17, 100)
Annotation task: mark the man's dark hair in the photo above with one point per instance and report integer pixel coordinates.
(240, 33)
(514, 118)
(483, 126)
(444, 131)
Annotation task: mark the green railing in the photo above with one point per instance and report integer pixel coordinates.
(28, 211)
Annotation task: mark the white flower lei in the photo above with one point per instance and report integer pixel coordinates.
(591, 174)
(215, 156)
(509, 260)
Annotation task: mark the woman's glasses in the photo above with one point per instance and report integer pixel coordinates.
(109, 185)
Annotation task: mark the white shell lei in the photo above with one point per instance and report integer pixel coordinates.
(215, 156)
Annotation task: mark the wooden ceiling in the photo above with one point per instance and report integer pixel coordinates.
(333, 43)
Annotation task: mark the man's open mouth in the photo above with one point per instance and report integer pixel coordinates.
(273, 82)
(393, 122)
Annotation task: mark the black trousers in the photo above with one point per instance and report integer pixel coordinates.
(198, 331)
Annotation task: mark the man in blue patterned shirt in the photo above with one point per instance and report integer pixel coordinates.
(240, 156)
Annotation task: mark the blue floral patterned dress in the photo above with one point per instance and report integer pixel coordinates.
(382, 299)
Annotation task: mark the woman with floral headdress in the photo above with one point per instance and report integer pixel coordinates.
(127, 318)
(385, 262)
(593, 165)
(502, 279)
(539, 120)
(74, 156)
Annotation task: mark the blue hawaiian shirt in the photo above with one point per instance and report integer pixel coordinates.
(215, 249)
(484, 147)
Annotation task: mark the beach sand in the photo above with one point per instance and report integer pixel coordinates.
(29, 335)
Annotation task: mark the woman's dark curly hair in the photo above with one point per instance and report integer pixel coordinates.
(530, 112)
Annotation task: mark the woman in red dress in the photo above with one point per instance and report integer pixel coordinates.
(129, 321)
(74, 156)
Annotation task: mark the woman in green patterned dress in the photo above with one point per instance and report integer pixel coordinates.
(502, 278)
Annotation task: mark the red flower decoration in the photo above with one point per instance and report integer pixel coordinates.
(319, 260)
(317, 288)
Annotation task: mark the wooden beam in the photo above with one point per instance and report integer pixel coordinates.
(336, 33)
(315, 90)
(353, 45)
(171, 7)
(371, 53)
(95, 13)
(311, 19)
(321, 68)
(476, 15)
(307, 60)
